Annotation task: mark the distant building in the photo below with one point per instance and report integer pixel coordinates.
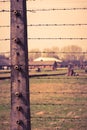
(47, 59)
(45, 62)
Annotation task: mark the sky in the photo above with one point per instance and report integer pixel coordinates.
(48, 17)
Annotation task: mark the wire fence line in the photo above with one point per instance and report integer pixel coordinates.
(50, 52)
(50, 38)
(41, 25)
(54, 25)
(49, 9)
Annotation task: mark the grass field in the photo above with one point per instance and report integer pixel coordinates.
(57, 102)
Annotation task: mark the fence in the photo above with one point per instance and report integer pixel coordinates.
(58, 101)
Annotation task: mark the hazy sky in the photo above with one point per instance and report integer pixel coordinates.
(49, 17)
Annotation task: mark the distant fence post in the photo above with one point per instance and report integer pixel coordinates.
(20, 98)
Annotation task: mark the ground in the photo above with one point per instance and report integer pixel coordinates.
(57, 102)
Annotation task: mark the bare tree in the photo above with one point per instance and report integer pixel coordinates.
(51, 52)
(34, 53)
(72, 52)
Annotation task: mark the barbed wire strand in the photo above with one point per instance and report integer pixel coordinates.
(50, 52)
(49, 9)
(59, 92)
(56, 9)
(58, 117)
(57, 52)
(50, 104)
(51, 38)
(57, 77)
(31, 25)
(57, 38)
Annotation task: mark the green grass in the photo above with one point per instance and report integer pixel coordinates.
(57, 102)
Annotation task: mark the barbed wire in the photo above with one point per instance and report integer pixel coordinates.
(58, 118)
(31, 25)
(49, 9)
(52, 52)
(58, 52)
(45, 92)
(59, 92)
(59, 104)
(64, 77)
(57, 38)
(55, 9)
(50, 38)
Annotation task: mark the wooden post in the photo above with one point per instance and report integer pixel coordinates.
(20, 98)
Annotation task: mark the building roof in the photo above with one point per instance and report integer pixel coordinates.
(41, 63)
(47, 59)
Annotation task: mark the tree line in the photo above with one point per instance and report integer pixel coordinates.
(67, 53)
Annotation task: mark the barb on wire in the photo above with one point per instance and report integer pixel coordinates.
(5, 26)
(6, 39)
(4, 0)
(4, 10)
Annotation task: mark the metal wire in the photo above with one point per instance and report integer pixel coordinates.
(56, 38)
(55, 9)
(57, 25)
(50, 38)
(58, 104)
(53, 52)
(59, 93)
(58, 78)
(49, 9)
(57, 117)
(40, 25)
